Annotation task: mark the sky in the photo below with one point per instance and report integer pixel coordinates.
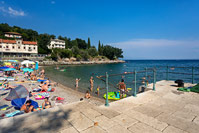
(144, 29)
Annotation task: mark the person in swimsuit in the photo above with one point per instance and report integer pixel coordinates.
(87, 95)
(122, 87)
(77, 82)
(27, 107)
(46, 104)
(91, 83)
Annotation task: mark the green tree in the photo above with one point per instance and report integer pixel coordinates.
(43, 42)
(112, 53)
(75, 51)
(89, 43)
(84, 54)
(92, 52)
(99, 48)
(81, 43)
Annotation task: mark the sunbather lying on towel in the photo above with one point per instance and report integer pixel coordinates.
(27, 107)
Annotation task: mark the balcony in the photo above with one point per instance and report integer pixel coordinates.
(29, 49)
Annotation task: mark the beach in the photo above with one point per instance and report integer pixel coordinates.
(62, 91)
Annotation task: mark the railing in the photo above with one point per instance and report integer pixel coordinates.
(188, 74)
(133, 79)
(143, 77)
(24, 56)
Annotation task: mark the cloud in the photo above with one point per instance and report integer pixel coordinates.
(2, 2)
(153, 42)
(52, 2)
(159, 49)
(12, 12)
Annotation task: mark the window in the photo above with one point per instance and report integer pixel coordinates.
(6, 46)
(34, 48)
(24, 47)
(18, 47)
(0, 46)
(13, 47)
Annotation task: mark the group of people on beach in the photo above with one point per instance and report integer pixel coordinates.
(121, 87)
(27, 107)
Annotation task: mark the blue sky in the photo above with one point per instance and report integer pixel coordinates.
(144, 29)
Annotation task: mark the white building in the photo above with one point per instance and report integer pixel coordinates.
(56, 43)
(18, 47)
(13, 35)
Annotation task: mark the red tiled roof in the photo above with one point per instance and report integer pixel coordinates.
(15, 33)
(13, 41)
(29, 42)
(7, 41)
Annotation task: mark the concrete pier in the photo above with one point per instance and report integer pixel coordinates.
(165, 110)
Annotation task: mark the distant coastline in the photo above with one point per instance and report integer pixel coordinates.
(51, 63)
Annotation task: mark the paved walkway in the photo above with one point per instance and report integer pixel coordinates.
(165, 110)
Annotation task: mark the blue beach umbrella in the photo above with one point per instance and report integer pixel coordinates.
(27, 70)
(12, 61)
(4, 67)
(36, 66)
(9, 69)
(17, 103)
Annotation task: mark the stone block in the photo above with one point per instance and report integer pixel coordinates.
(142, 128)
(124, 120)
(104, 122)
(171, 129)
(94, 129)
(80, 121)
(118, 129)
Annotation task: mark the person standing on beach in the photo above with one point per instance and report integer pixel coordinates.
(77, 82)
(91, 83)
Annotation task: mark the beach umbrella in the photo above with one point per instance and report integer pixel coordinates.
(26, 62)
(21, 101)
(7, 64)
(27, 70)
(12, 61)
(36, 65)
(4, 67)
(9, 69)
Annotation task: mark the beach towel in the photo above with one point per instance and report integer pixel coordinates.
(40, 80)
(38, 97)
(36, 90)
(3, 107)
(17, 112)
(51, 89)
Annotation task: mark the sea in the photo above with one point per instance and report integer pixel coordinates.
(147, 71)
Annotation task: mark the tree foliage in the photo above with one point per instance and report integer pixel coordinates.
(78, 48)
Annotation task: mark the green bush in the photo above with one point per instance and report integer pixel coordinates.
(92, 52)
(79, 57)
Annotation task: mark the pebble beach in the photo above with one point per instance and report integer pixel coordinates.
(69, 95)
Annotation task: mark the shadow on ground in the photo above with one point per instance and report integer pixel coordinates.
(48, 120)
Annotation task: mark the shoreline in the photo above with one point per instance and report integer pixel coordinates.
(51, 63)
(94, 100)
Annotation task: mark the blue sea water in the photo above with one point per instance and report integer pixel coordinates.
(171, 69)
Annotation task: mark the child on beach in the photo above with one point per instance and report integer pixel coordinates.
(98, 90)
(87, 95)
(77, 82)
